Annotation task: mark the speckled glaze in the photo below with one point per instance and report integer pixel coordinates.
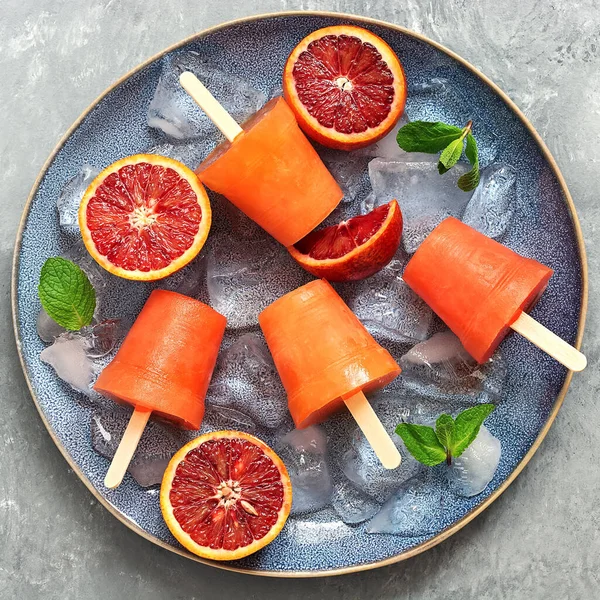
(544, 228)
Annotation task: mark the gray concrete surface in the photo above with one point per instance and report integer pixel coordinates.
(541, 539)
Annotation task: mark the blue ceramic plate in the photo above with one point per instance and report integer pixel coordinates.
(544, 227)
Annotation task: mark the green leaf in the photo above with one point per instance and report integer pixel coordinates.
(467, 425)
(444, 429)
(451, 153)
(422, 442)
(442, 169)
(469, 181)
(66, 293)
(423, 136)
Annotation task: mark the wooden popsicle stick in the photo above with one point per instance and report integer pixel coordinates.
(549, 342)
(371, 426)
(207, 102)
(127, 447)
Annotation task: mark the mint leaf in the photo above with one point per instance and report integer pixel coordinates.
(444, 429)
(66, 293)
(466, 427)
(423, 136)
(450, 155)
(422, 442)
(469, 181)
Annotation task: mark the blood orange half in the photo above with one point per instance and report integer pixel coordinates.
(353, 249)
(145, 217)
(225, 495)
(345, 85)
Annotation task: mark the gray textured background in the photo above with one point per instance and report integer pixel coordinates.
(541, 539)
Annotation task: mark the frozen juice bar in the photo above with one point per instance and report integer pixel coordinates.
(322, 352)
(272, 173)
(477, 286)
(166, 361)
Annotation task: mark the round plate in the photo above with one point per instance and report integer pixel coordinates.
(545, 227)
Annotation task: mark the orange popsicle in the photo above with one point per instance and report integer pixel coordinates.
(477, 286)
(273, 174)
(322, 352)
(166, 361)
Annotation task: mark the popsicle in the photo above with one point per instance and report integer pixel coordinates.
(482, 289)
(267, 168)
(326, 358)
(162, 368)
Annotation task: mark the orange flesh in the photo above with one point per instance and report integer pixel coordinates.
(273, 174)
(322, 351)
(338, 240)
(166, 361)
(143, 217)
(226, 493)
(344, 83)
(477, 286)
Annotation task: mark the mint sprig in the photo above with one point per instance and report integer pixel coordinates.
(469, 181)
(422, 442)
(66, 293)
(425, 136)
(450, 438)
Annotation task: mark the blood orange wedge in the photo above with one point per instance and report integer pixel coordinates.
(353, 249)
(225, 495)
(144, 217)
(345, 85)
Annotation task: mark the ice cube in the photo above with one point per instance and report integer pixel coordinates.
(438, 99)
(100, 338)
(351, 504)
(70, 198)
(441, 367)
(414, 509)
(491, 207)
(156, 447)
(189, 281)
(245, 276)
(191, 155)
(174, 112)
(360, 464)
(98, 277)
(68, 357)
(368, 203)
(349, 169)
(425, 197)
(246, 380)
(48, 329)
(241, 226)
(395, 404)
(303, 452)
(387, 306)
(388, 148)
(472, 471)
(435, 85)
(276, 92)
(217, 418)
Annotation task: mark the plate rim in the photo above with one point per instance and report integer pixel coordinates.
(472, 514)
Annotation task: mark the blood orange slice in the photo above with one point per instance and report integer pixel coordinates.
(345, 85)
(144, 217)
(353, 249)
(225, 495)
